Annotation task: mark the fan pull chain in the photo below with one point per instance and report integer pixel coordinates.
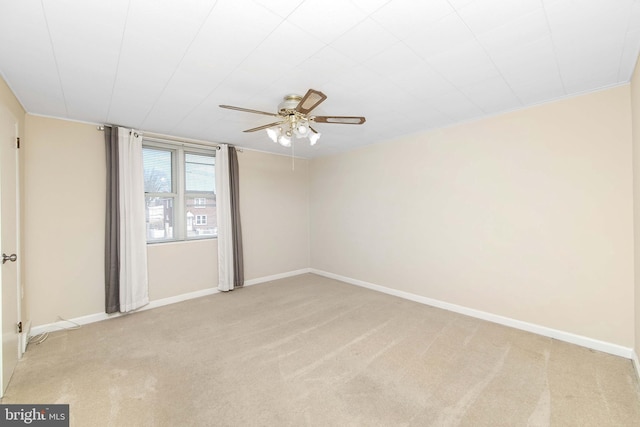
(293, 157)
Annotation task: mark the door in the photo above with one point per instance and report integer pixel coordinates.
(9, 220)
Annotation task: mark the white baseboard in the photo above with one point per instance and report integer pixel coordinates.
(276, 276)
(583, 341)
(636, 364)
(97, 317)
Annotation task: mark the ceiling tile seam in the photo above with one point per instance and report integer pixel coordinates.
(237, 66)
(373, 18)
(626, 33)
(55, 58)
(325, 45)
(486, 52)
(177, 67)
(447, 80)
(115, 76)
(372, 12)
(555, 50)
(366, 16)
(430, 65)
(636, 55)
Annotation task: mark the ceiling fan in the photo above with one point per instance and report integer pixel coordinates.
(295, 118)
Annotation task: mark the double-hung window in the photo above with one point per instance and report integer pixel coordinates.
(180, 196)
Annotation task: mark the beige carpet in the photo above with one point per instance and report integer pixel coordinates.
(312, 351)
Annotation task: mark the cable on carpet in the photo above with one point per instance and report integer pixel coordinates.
(71, 328)
(40, 338)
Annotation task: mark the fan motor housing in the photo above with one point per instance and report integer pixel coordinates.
(289, 103)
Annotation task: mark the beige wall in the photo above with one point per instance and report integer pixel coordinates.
(635, 109)
(8, 99)
(64, 223)
(64, 218)
(181, 267)
(526, 215)
(274, 204)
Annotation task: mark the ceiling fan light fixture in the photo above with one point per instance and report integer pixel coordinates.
(302, 129)
(313, 138)
(295, 120)
(273, 134)
(284, 140)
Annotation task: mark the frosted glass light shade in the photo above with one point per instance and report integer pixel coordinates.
(273, 135)
(313, 138)
(301, 130)
(284, 140)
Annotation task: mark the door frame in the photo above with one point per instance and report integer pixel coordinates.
(21, 336)
(24, 334)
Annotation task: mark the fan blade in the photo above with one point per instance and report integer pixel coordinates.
(339, 119)
(247, 110)
(310, 100)
(264, 127)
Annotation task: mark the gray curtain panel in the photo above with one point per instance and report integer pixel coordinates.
(236, 228)
(112, 235)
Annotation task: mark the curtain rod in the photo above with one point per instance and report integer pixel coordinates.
(170, 138)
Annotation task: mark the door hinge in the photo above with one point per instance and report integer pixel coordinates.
(18, 143)
(19, 325)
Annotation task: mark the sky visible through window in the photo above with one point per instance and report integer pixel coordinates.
(157, 170)
(199, 171)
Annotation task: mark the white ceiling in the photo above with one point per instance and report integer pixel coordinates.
(164, 66)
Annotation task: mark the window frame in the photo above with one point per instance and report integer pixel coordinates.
(172, 194)
(178, 182)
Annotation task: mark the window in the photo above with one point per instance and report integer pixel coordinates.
(159, 193)
(178, 180)
(200, 193)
